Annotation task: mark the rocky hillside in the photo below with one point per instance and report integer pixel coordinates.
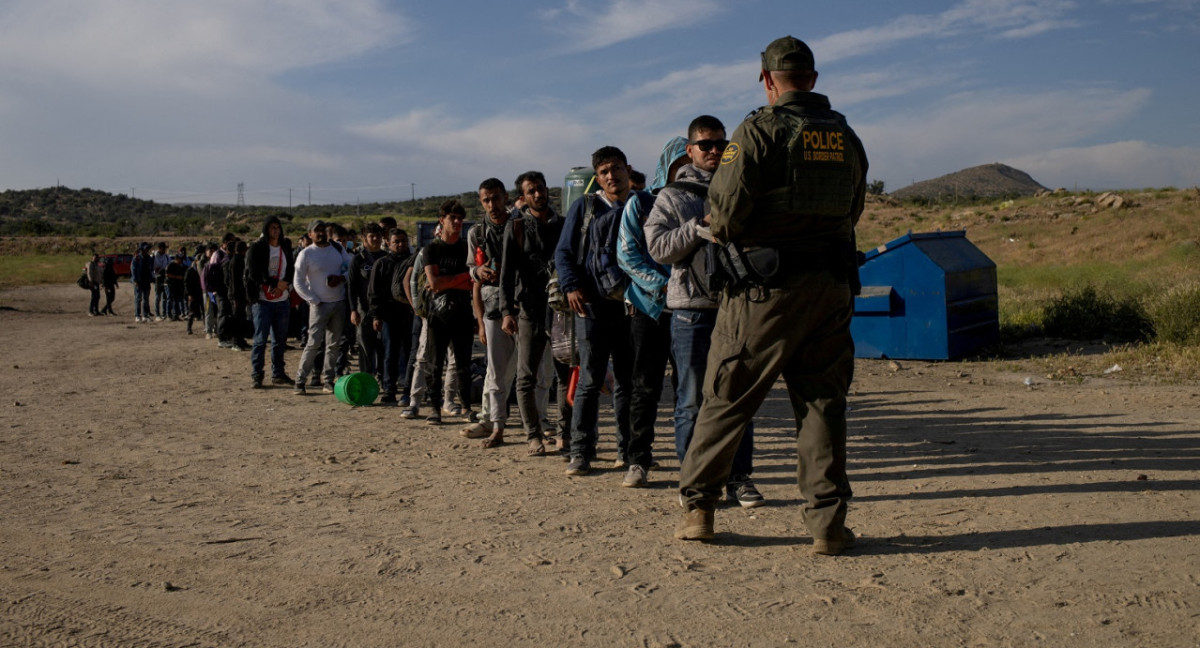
(986, 181)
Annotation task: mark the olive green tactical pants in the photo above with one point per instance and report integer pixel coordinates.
(802, 331)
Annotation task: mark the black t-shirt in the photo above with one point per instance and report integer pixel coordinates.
(450, 259)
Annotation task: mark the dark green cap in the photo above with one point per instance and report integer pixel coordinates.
(787, 53)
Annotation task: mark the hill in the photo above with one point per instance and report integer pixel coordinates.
(985, 181)
(62, 211)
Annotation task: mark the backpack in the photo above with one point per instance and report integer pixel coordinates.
(422, 294)
(398, 292)
(598, 249)
(214, 276)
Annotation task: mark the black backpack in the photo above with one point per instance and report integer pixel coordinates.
(598, 247)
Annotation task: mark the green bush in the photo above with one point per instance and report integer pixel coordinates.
(1176, 315)
(1086, 314)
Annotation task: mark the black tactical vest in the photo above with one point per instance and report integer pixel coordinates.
(823, 167)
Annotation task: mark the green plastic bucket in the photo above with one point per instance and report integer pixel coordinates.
(356, 389)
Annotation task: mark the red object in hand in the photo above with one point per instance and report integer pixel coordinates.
(572, 385)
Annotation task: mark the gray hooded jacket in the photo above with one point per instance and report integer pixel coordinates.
(671, 235)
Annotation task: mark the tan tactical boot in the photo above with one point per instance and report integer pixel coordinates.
(696, 524)
(833, 546)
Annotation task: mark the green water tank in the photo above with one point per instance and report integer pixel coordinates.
(580, 180)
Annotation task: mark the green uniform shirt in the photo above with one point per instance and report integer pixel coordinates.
(756, 162)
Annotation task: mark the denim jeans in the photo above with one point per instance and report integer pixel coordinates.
(325, 323)
(651, 343)
(270, 320)
(534, 364)
(599, 338)
(141, 300)
(691, 337)
(94, 304)
(161, 299)
(396, 337)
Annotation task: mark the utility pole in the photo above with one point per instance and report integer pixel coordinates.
(241, 201)
(414, 191)
(310, 194)
(289, 197)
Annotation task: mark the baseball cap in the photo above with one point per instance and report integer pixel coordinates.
(787, 53)
(317, 224)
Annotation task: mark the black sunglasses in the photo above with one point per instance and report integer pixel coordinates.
(707, 145)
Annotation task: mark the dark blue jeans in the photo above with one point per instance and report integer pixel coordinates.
(599, 338)
(270, 320)
(141, 300)
(650, 340)
(691, 337)
(396, 338)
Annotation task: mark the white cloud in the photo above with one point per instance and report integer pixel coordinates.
(1002, 18)
(201, 45)
(1118, 165)
(596, 25)
(978, 128)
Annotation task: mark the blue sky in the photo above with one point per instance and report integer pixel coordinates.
(366, 100)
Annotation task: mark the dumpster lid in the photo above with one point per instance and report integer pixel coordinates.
(910, 237)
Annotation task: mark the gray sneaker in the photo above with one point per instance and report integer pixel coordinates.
(744, 493)
(410, 412)
(299, 389)
(578, 467)
(635, 478)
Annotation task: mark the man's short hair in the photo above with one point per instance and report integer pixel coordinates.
(338, 230)
(387, 223)
(792, 78)
(704, 122)
(530, 176)
(229, 236)
(452, 207)
(492, 184)
(637, 177)
(396, 231)
(373, 228)
(606, 154)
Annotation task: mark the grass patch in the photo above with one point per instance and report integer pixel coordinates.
(36, 269)
(1176, 315)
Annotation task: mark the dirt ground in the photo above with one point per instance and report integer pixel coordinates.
(150, 498)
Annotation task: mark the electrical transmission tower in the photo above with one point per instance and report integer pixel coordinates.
(241, 203)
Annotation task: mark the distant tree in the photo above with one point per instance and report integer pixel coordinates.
(875, 187)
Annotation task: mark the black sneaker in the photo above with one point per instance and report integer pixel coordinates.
(256, 383)
(281, 380)
(435, 418)
(741, 490)
(299, 389)
(387, 400)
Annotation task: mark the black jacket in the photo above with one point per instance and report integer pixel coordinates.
(258, 261)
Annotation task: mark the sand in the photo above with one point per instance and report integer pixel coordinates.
(150, 498)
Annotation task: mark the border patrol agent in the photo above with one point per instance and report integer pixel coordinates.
(784, 201)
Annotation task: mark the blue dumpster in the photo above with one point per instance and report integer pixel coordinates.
(927, 296)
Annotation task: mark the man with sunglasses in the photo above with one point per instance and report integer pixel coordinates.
(787, 195)
(673, 237)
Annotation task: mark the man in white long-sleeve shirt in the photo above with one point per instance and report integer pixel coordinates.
(321, 281)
